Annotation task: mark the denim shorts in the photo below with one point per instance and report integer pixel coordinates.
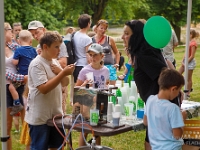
(113, 72)
(191, 64)
(44, 137)
(9, 98)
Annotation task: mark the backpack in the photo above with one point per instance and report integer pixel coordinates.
(69, 43)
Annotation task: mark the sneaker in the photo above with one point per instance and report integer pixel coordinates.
(16, 109)
(16, 131)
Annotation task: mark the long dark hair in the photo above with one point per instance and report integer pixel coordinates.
(137, 44)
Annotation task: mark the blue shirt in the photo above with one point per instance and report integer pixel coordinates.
(162, 117)
(25, 54)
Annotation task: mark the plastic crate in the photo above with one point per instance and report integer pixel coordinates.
(191, 132)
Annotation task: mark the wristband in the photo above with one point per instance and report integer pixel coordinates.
(117, 65)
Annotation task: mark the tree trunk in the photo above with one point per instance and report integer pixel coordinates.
(98, 7)
(177, 30)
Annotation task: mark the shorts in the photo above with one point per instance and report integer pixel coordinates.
(9, 98)
(44, 137)
(76, 72)
(191, 64)
(113, 72)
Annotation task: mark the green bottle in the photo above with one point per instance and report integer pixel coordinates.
(130, 76)
(140, 103)
(118, 93)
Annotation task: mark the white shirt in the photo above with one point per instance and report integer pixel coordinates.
(81, 41)
(41, 107)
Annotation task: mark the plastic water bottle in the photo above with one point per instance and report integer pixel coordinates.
(134, 102)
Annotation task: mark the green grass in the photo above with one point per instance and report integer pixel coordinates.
(130, 140)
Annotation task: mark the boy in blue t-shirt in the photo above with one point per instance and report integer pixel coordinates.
(163, 118)
(22, 58)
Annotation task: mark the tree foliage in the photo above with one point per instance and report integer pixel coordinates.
(57, 14)
(25, 11)
(175, 11)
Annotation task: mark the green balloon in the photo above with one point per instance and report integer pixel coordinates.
(157, 31)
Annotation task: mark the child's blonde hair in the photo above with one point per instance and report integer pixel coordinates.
(25, 36)
(6, 25)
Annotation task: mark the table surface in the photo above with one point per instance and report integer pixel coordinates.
(101, 130)
(192, 108)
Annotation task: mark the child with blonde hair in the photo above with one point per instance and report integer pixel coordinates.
(22, 58)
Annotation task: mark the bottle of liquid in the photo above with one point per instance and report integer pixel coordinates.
(134, 102)
(118, 93)
(140, 103)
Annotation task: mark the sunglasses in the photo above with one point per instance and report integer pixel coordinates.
(101, 22)
(8, 29)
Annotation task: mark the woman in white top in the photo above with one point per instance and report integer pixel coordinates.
(10, 68)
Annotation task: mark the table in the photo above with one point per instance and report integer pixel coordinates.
(102, 130)
(192, 108)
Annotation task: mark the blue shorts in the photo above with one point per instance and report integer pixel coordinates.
(113, 72)
(9, 98)
(44, 137)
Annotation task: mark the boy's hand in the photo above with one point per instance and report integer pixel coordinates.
(55, 69)
(68, 70)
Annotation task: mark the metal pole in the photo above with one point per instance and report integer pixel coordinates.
(4, 136)
(187, 47)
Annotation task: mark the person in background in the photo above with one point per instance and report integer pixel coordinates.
(69, 32)
(121, 61)
(10, 69)
(22, 58)
(38, 30)
(17, 27)
(24, 136)
(127, 70)
(16, 120)
(109, 48)
(81, 42)
(44, 83)
(191, 60)
(168, 50)
(164, 119)
(101, 77)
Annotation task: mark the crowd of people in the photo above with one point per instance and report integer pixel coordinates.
(37, 78)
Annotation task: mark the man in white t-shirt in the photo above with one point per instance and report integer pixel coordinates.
(81, 42)
(168, 51)
(37, 29)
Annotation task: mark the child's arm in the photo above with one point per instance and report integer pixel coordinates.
(145, 120)
(177, 133)
(52, 83)
(15, 77)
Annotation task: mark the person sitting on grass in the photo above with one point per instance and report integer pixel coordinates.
(163, 118)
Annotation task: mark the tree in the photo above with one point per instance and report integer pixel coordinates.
(175, 11)
(25, 11)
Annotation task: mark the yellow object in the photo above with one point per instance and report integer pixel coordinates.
(25, 137)
(191, 129)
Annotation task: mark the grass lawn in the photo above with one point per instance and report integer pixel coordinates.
(130, 140)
